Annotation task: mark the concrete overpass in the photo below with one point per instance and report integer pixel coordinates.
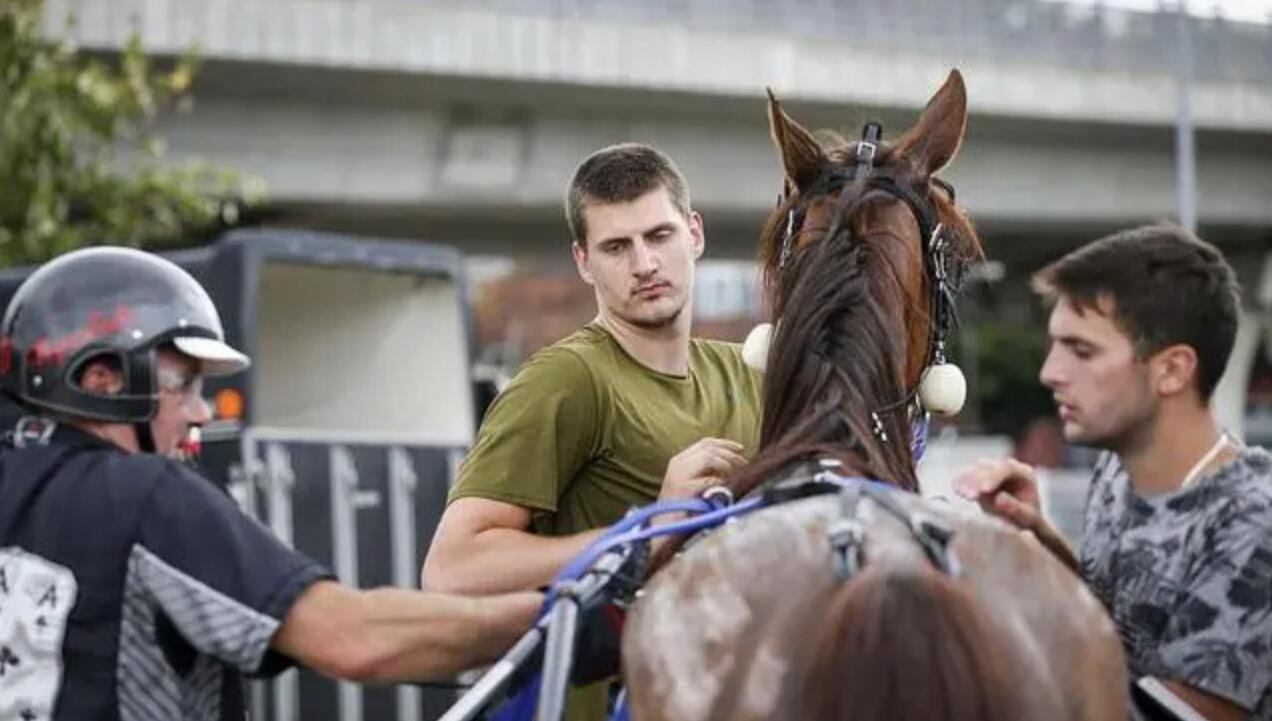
(462, 122)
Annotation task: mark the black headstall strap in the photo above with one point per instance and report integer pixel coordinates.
(867, 149)
(941, 295)
(847, 533)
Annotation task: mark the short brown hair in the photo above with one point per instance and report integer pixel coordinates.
(619, 174)
(1167, 286)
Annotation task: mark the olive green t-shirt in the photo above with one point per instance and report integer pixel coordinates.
(584, 432)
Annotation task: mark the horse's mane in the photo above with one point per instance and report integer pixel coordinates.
(946, 658)
(840, 348)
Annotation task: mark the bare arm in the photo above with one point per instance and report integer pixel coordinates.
(483, 546)
(1008, 489)
(1029, 517)
(392, 634)
(1054, 542)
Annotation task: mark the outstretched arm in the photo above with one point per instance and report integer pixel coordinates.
(392, 634)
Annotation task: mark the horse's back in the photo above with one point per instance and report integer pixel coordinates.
(730, 628)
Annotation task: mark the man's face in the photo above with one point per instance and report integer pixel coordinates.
(181, 403)
(639, 257)
(1101, 388)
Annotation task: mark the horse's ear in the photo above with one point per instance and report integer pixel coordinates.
(801, 155)
(933, 142)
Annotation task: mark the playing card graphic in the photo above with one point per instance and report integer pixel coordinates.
(36, 598)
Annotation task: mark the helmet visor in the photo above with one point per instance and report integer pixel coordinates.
(215, 357)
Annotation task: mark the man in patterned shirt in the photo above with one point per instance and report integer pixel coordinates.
(1178, 526)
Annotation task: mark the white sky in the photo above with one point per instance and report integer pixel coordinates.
(1248, 10)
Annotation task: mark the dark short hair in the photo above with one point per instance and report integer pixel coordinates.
(619, 174)
(1167, 287)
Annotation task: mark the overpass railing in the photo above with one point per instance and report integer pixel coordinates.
(1044, 31)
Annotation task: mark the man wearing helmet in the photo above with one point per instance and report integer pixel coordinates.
(129, 586)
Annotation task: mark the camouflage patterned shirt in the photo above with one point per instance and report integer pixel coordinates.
(1187, 576)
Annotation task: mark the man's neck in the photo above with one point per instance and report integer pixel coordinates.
(664, 349)
(1159, 461)
(120, 434)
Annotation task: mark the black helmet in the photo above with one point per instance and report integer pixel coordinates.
(113, 302)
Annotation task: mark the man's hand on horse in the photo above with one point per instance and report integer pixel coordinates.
(690, 472)
(1005, 488)
(1008, 489)
(700, 466)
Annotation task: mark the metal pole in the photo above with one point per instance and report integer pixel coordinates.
(282, 482)
(344, 501)
(558, 657)
(403, 482)
(471, 704)
(1185, 152)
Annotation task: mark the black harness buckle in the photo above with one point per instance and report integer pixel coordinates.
(867, 147)
(847, 534)
(935, 537)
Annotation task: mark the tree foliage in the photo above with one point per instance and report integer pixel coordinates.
(80, 162)
(1009, 358)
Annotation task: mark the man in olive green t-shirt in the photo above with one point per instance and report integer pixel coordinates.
(584, 432)
(627, 410)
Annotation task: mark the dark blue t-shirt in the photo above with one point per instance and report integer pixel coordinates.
(130, 587)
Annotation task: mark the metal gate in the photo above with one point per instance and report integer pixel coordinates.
(366, 510)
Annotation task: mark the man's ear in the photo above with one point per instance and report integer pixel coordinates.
(580, 262)
(699, 233)
(1174, 370)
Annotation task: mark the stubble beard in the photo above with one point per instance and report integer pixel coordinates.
(1133, 432)
(658, 322)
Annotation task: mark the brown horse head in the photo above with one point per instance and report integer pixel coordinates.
(849, 280)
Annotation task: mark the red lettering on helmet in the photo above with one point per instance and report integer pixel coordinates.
(43, 353)
(98, 325)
